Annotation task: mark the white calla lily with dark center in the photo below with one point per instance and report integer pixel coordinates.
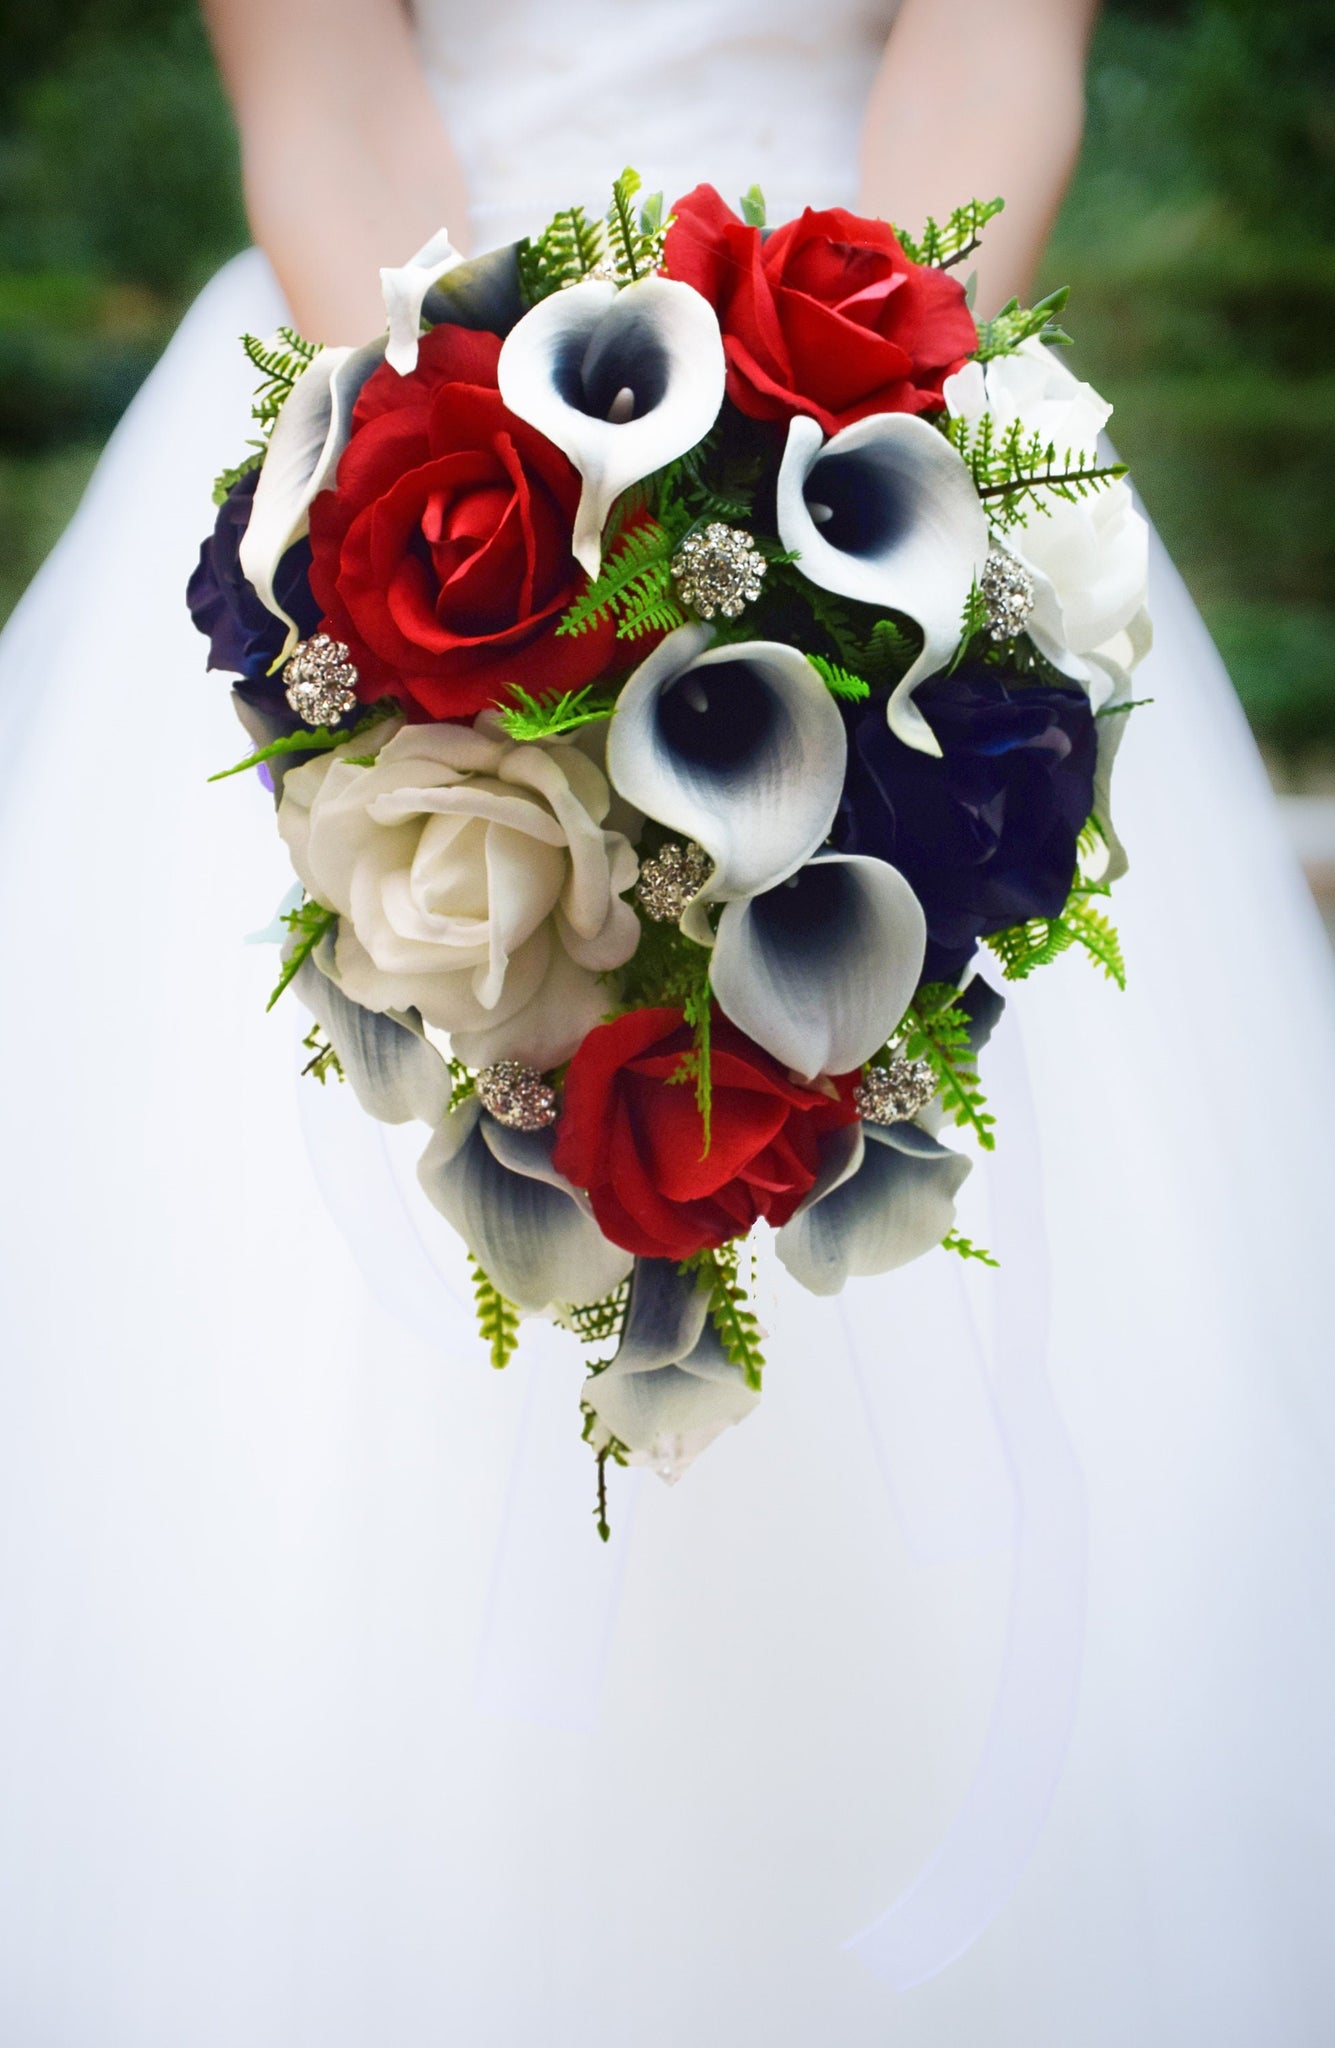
(621, 379)
(820, 970)
(886, 512)
(741, 748)
(886, 1196)
(528, 1228)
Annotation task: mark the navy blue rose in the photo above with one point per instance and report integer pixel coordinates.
(243, 634)
(986, 835)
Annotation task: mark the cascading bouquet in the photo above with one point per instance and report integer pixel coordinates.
(673, 647)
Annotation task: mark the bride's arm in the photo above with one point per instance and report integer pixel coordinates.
(345, 162)
(975, 98)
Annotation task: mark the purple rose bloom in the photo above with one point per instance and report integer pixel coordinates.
(243, 634)
(986, 835)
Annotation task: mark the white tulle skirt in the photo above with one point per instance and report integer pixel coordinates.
(1003, 1629)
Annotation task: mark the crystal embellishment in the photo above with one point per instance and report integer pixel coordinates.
(894, 1093)
(516, 1095)
(718, 569)
(1008, 593)
(672, 878)
(320, 680)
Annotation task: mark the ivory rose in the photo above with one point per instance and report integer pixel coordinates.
(1089, 557)
(474, 880)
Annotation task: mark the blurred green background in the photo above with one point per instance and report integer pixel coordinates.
(1196, 239)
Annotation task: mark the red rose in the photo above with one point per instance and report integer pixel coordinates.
(442, 554)
(826, 316)
(632, 1137)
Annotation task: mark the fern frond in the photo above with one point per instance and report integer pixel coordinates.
(943, 244)
(937, 1030)
(1016, 471)
(840, 682)
(967, 1249)
(1025, 947)
(227, 479)
(1094, 931)
(323, 1060)
(633, 586)
(569, 247)
(541, 718)
(463, 1082)
(317, 740)
(729, 1309)
(308, 925)
(497, 1318)
(596, 1322)
(280, 363)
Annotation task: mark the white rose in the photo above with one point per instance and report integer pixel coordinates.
(474, 881)
(1089, 559)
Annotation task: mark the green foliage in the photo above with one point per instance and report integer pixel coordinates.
(626, 243)
(319, 739)
(878, 649)
(634, 242)
(937, 1030)
(323, 1060)
(280, 363)
(597, 1322)
(697, 1065)
(463, 1082)
(634, 587)
(751, 206)
(542, 718)
(569, 247)
(944, 245)
(1016, 472)
(718, 1271)
(497, 1318)
(1042, 939)
(1016, 323)
(308, 925)
(227, 479)
(840, 682)
(967, 1249)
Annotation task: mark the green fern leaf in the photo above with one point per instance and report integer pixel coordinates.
(497, 1318)
(840, 682)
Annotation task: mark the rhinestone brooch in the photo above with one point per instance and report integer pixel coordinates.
(516, 1096)
(672, 878)
(893, 1094)
(719, 569)
(1008, 593)
(320, 680)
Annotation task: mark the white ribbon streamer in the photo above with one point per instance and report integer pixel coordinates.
(982, 1857)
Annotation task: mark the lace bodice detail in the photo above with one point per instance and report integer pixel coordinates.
(547, 102)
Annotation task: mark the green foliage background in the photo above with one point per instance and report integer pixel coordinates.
(1197, 240)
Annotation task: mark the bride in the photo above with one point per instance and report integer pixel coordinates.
(979, 1690)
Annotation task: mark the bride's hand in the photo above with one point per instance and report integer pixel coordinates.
(975, 98)
(345, 162)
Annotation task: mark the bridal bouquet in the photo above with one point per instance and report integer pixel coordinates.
(674, 647)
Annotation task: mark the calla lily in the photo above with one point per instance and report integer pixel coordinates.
(404, 289)
(482, 293)
(532, 1233)
(396, 1075)
(886, 512)
(622, 380)
(821, 970)
(1110, 862)
(886, 1196)
(308, 438)
(739, 747)
(671, 1389)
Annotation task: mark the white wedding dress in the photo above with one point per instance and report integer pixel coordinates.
(1002, 1630)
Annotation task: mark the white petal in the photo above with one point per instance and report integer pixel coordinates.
(567, 365)
(548, 1026)
(671, 1389)
(740, 748)
(877, 1211)
(308, 438)
(906, 532)
(528, 1229)
(821, 970)
(405, 288)
(394, 1073)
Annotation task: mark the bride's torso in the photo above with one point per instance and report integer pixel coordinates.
(546, 104)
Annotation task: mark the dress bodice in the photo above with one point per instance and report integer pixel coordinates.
(546, 104)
